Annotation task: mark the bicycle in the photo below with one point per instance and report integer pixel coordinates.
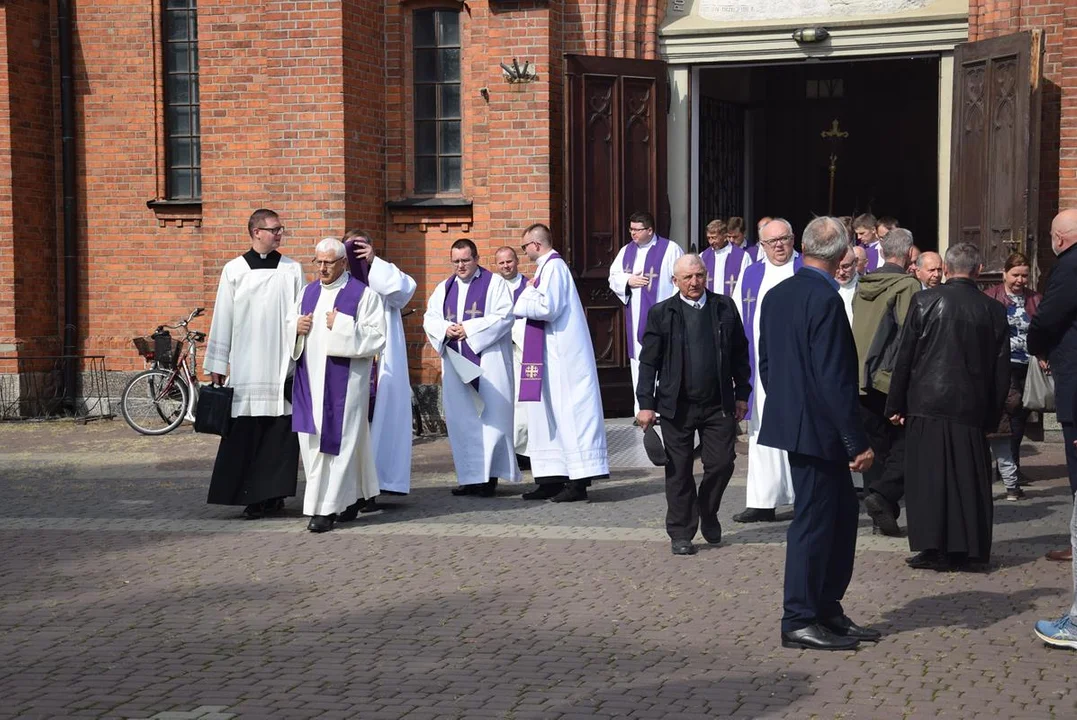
(157, 400)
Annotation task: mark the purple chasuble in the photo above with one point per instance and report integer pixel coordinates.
(723, 285)
(649, 294)
(335, 390)
(475, 306)
(749, 296)
(532, 365)
(872, 251)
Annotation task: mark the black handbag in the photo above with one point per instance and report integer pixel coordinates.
(214, 412)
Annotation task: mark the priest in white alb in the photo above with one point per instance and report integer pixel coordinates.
(770, 480)
(566, 432)
(640, 276)
(468, 322)
(391, 426)
(250, 343)
(508, 266)
(340, 328)
(724, 260)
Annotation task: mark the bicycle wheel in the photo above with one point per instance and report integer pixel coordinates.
(154, 402)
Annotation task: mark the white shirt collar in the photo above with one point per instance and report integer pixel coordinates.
(701, 302)
(647, 245)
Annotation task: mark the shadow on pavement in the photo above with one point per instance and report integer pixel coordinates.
(972, 609)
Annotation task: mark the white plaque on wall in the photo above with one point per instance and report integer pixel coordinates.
(746, 10)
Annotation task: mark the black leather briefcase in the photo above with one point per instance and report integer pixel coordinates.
(214, 412)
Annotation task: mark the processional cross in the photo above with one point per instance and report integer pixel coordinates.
(835, 135)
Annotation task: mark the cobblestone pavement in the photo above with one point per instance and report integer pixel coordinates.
(126, 596)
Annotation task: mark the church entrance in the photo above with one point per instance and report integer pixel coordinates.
(817, 138)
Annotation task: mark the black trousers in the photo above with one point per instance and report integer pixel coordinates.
(821, 542)
(718, 434)
(1019, 417)
(887, 475)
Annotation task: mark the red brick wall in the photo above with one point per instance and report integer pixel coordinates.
(28, 153)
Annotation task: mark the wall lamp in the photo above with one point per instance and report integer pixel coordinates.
(811, 34)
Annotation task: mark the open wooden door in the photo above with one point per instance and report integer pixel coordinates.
(994, 172)
(616, 165)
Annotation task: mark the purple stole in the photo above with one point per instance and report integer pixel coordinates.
(753, 252)
(732, 274)
(475, 306)
(649, 294)
(360, 270)
(873, 258)
(749, 296)
(519, 288)
(532, 367)
(335, 390)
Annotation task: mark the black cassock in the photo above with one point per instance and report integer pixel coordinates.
(950, 378)
(948, 487)
(258, 461)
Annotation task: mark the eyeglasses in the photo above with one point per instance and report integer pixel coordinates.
(527, 244)
(634, 230)
(326, 263)
(462, 262)
(279, 230)
(783, 240)
(847, 266)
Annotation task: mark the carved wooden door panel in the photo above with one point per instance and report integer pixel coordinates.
(995, 145)
(616, 161)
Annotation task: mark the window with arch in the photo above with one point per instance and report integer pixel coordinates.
(437, 112)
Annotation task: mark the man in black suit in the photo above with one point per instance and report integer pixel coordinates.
(1053, 335)
(807, 363)
(695, 348)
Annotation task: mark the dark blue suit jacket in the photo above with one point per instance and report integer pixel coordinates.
(1053, 332)
(808, 367)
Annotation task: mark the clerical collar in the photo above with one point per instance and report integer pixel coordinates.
(723, 250)
(258, 261)
(652, 241)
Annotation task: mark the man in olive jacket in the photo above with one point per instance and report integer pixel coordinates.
(879, 308)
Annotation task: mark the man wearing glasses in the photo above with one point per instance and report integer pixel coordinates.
(250, 345)
(641, 276)
(770, 481)
(468, 322)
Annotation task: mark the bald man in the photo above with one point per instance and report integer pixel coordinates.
(928, 269)
(861, 260)
(1053, 334)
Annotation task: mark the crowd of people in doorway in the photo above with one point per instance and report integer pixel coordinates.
(858, 365)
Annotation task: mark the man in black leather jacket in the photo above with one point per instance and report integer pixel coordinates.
(950, 380)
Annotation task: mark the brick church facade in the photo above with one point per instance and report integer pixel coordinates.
(391, 115)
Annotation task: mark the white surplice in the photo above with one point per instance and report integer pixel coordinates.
(566, 432)
(719, 282)
(482, 446)
(391, 428)
(770, 480)
(250, 339)
(519, 410)
(631, 296)
(336, 481)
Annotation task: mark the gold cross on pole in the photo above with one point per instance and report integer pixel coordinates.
(650, 276)
(730, 284)
(835, 134)
(473, 310)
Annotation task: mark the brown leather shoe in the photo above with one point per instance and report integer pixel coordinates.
(1060, 555)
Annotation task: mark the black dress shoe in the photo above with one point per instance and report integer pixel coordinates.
(544, 491)
(711, 530)
(369, 506)
(684, 547)
(751, 515)
(466, 490)
(844, 627)
(321, 523)
(572, 492)
(817, 637)
(928, 560)
(275, 505)
(254, 511)
(489, 489)
(884, 518)
(351, 512)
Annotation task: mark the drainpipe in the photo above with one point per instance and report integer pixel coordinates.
(67, 133)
